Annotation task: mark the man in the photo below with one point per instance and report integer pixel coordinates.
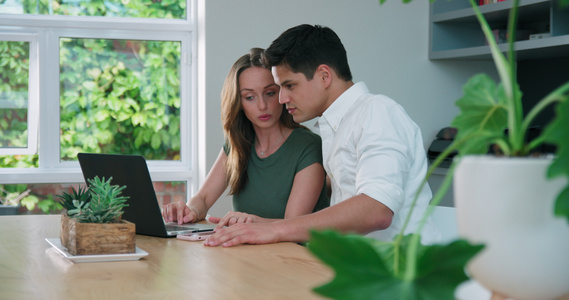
(373, 152)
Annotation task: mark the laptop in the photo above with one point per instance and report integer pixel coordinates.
(143, 208)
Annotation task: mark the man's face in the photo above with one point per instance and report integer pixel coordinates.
(304, 99)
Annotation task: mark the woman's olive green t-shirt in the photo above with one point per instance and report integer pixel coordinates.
(270, 179)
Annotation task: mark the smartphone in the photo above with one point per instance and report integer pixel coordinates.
(199, 236)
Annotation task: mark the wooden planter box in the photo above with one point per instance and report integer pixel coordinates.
(95, 238)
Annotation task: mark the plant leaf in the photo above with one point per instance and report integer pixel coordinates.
(359, 268)
(557, 133)
(364, 267)
(483, 116)
(441, 269)
(30, 202)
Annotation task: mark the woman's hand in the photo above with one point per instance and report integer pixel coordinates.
(180, 212)
(231, 218)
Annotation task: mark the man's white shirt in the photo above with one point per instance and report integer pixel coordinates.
(371, 146)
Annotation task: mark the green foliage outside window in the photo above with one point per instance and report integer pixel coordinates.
(161, 9)
(120, 97)
(14, 66)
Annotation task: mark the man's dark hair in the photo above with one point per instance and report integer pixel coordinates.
(303, 48)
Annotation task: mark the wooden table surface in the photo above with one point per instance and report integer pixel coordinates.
(31, 269)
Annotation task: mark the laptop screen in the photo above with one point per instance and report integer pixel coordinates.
(131, 171)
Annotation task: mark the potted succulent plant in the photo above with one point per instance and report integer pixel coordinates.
(91, 220)
(491, 115)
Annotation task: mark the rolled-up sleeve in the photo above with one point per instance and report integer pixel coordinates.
(382, 149)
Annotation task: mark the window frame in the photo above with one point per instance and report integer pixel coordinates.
(48, 30)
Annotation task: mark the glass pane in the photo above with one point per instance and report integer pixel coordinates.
(14, 77)
(120, 96)
(162, 9)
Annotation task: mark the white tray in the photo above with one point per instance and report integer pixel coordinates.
(56, 243)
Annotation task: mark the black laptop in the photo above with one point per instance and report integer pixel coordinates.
(143, 208)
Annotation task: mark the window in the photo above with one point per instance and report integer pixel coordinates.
(99, 77)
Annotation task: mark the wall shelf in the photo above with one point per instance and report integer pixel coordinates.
(456, 34)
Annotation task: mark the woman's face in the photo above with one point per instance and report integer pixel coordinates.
(260, 97)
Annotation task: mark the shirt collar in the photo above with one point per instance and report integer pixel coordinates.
(334, 114)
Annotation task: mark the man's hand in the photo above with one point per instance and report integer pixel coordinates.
(178, 211)
(243, 233)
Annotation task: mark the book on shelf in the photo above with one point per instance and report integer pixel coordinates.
(484, 2)
(501, 35)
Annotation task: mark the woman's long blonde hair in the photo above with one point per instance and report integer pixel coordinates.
(238, 130)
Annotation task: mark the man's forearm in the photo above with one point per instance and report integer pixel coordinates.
(360, 214)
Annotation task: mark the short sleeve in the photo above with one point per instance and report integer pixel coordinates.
(311, 153)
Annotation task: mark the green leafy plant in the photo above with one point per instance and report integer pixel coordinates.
(369, 269)
(491, 115)
(100, 203)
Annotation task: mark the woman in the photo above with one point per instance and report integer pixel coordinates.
(272, 165)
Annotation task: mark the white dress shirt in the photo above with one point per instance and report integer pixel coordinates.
(371, 146)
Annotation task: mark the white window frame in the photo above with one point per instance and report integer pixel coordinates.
(48, 30)
(33, 94)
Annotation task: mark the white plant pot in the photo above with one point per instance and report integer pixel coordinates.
(507, 204)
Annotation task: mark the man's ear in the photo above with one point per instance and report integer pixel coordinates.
(324, 75)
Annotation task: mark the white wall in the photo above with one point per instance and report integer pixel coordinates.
(387, 48)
